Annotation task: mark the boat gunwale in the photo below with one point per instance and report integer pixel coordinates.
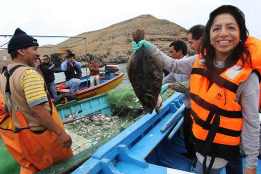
(125, 137)
(98, 86)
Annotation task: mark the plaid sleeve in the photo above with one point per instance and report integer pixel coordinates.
(33, 86)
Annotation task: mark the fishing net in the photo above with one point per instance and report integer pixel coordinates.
(123, 101)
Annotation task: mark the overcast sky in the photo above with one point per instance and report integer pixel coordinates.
(72, 17)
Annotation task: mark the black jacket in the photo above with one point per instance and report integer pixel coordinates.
(47, 72)
(72, 71)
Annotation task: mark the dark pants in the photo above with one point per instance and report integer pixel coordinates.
(52, 90)
(188, 135)
(234, 166)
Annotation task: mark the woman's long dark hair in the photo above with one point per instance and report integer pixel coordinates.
(240, 51)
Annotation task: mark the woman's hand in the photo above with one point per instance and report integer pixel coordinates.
(178, 86)
(250, 171)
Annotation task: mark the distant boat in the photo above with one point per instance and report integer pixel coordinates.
(106, 83)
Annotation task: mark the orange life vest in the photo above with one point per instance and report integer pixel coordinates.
(254, 46)
(217, 117)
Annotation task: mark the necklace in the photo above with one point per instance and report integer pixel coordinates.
(219, 63)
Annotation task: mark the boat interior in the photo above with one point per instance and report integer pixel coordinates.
(152, 145)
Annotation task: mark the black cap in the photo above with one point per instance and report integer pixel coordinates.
(69, 54)
(21, 40)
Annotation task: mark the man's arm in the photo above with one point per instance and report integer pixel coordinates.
(179, 86)
(182, 66)
(43, 116)
(45, 119)
(51, 67)
(64, 66)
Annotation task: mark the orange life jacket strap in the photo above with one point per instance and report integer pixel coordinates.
(216, 79)
(210, 107)
(6, 129)
(5, 117)
(206, 125)
(207, 169)
(211, 135)
(8, 73)
(22, 122)
(228, 152)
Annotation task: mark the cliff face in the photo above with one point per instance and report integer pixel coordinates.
(112, 44)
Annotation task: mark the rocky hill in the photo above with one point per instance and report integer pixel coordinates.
(112, 44)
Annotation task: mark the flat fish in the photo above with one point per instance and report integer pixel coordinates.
(145, 72)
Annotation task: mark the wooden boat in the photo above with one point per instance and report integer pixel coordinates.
(107, 82)
(76, 160)
(152, 145)
(69, 112)
(104, 86)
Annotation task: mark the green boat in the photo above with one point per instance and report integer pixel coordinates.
(81, 108)
(69, 112)
(8, 164)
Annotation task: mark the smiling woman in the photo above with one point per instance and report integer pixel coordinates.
(224, 35)
(225, 104)
(225, 38)
(226, 55)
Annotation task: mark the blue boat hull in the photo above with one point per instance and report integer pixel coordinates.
(152, 145)
(131, 147)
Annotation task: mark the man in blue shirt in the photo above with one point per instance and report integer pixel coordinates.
(72, 71)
